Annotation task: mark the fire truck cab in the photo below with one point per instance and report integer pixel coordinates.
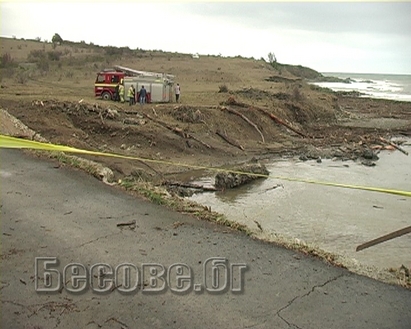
(158, 85)
(106, 83)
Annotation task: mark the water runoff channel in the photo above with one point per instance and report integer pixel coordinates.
(332, 219)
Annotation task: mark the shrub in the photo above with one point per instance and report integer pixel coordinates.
(43, 65)
(36, 56)
(69, 74)
(22, 77)
(223, 88)
(114, 51)
(6, 61)
(54, 55)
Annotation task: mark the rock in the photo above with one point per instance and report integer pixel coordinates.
(224, 180)
(368, 163)
(319, 160)
(303, 158)
(369, 155)
(180, 191)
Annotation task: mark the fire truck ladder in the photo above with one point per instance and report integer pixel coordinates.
(135, 73)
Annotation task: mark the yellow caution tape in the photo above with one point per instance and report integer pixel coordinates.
(19, 143)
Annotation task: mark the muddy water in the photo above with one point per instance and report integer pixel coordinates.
(333, 219)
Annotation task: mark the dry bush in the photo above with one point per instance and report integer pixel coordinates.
(54, 55)
(22, 77)
(69, 74)
(43, 65)
(36, 55)
(6, 61)
(223, 88)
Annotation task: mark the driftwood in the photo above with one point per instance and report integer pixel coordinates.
(132, 223)
(177, 131)
(281, 122)
(273, 188)
(242, 116)
(228, 140)
(394, 145)
(192, 186)
(384, 238)
(232, 101)
(134, 121)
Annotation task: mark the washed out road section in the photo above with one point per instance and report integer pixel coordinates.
(49, 210)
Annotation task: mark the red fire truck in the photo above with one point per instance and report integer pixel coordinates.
(159, 86)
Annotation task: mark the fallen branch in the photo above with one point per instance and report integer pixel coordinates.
(273, 188)
(133, 222)
(384, 238)
(177, 131)
(191, 185)
(394, 145)
(228, 140)
(245, 119)
(279, 121)
(258, 225)
(232, 101)
(101, 118)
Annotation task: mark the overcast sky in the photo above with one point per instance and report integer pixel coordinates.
(366, 37)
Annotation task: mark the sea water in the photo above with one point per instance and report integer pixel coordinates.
(386, 86)
(332, 218)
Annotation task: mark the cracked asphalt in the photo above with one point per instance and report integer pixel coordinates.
(52, 211)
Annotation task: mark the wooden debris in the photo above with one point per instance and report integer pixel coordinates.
(240, 175)
(279, 121)
(134, 121)
(258, 225)
(192, 186)
(394, 145)
(176, 130)
(229, 140)
(232, 101)
(384, 238)
(132, 223)
(245, 119)
(274, 187)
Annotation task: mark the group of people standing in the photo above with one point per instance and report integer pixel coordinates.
(142, 95)
(131, 94)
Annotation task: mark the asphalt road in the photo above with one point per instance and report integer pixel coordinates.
(51, 211)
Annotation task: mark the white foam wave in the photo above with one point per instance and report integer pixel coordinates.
(370, 88)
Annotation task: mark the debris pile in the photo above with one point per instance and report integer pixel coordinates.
(240, 175)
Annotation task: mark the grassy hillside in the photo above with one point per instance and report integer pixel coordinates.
(74, 65)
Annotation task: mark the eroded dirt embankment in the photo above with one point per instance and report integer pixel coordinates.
(215, 135)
